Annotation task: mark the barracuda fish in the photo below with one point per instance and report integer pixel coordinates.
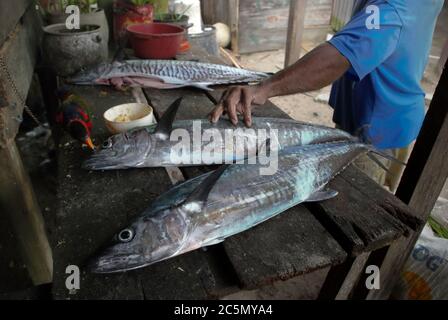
(152, 146)
(210, 208)
(164, 74)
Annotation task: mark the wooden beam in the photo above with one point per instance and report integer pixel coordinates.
(18, 203)
(296, 27)
(19, 53)
(234, 20)
(422, 182)
(10, 14)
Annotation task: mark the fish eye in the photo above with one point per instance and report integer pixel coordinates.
(107, 144)
(126, 235)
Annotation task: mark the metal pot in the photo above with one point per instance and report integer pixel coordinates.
(97, 17)
(68, 51)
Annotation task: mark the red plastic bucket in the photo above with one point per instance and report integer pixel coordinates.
(155, 40)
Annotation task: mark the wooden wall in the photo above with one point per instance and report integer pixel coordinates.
(24, 248)
(263, 23)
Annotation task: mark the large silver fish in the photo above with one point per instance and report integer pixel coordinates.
(164, 74)
(152, 147)
(208, 209)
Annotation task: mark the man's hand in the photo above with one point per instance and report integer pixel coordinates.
(317, 69)
(239, 100)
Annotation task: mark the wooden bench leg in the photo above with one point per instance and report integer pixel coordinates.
(341, 280)
(18, 203)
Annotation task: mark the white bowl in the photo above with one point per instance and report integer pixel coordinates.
(128, 116)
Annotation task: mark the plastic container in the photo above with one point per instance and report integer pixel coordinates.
(156, 40)
(128, 116)
(206, 40)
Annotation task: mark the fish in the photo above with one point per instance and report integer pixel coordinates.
(206, 210)
(164, 74)
(154, 146)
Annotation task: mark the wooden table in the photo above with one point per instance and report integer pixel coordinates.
(338, 237)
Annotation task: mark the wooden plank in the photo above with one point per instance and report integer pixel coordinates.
(19, 54)
(234, 20)
(18, 51)
(422, 182)
(10, 14)
(385, 200)
(357, 222)
(342, 279)
(284, 247)
(214, 11)
(263, 23)
(296, 26)
(19, 205)
(13, 273)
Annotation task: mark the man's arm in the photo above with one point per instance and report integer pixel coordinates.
(319, 68)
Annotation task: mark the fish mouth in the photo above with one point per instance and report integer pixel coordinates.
(114, 264)
(103, 160)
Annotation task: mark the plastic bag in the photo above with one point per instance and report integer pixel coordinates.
(425, 275)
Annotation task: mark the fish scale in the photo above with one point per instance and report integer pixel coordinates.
(237, 199)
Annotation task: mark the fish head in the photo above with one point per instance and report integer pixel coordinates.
(151, 238)
(121, 151)
(89, 75)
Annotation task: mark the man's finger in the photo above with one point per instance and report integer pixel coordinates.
(246, 107)
(219, 110)
(230, 104)
(216, 113)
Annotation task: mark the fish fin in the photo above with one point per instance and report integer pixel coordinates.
(322, 195)
(212, 242)
(386, 156)
(378, 162)
(202, 86)
(165, 125)
(200, 194)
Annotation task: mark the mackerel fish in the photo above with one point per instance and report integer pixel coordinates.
(210, 208)
(164, 74)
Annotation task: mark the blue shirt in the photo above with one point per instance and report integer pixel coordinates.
(381, 95)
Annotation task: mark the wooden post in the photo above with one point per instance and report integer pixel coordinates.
(296, 27)
(234, 20)
(18, 202)
(422, 182)
(18, 51)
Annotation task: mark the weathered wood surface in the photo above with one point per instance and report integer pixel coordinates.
(262, 24)
(422, 181)
(10, 14)
(289, 245)
(19, 38)
(357, 222)
(296, 28)
(342, 279)
(19, 53)
(19, 206)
